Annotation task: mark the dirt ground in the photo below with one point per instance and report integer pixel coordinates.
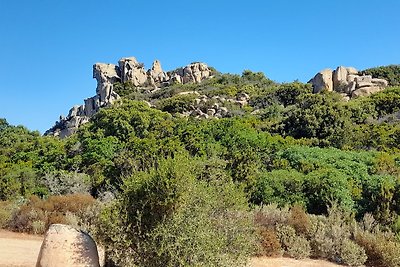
(18, 250)
(288, 262)
(21, 250)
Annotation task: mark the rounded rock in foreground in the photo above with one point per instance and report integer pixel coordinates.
(65, 246)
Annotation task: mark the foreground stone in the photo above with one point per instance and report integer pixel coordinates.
(65, 246)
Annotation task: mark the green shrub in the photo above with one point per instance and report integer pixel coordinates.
(6, 211)
(352, 254)
(177, 104)
(166, 217)
(325, 186)
(38, 227)
(270, 216)
(283, 187)
(295, 246)
(64, 183)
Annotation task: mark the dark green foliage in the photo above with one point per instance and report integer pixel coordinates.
(327, 186)
(386, 102)
(318, 116)
(3, 124)
(291, 93)
(177, 104)
(282, 187)
(124, 89)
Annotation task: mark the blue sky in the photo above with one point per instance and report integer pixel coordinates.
(47, 47)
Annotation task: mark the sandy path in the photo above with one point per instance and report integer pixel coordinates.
(288, 262)
(21, 250)
(18, 250)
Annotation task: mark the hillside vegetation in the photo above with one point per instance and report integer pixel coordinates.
(289, 172)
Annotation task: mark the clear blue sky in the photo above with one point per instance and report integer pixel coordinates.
(48, 47)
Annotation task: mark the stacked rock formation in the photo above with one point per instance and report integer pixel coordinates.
(347, 81)
(66, 246)
(195, 72)
(128, 70)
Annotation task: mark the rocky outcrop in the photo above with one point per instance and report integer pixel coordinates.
(128, 70)
(192, 73)
(132, 71)
(106, 75)
(156, 76)
(347, 81)
(66, 246)
(322, 81)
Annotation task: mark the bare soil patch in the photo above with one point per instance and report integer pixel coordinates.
(288, 262)
(21, 250)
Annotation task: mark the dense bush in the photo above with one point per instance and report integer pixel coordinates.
(7, 209)
(65, 183)
(303, 235)
(177, 104)
(169, 218)
(380, 249)
(295, 246)
(283, 187)
(318, 116)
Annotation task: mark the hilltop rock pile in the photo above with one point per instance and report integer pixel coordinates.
(128, 70)
(347, 81)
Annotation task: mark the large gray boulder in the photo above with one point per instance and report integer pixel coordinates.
(106, 75)
(380, 82)
(156, 75)
(65, 246)
(322, 81)
(196, 73)
(192, 73)
(133, 71)
(340, 78)
(365, 91)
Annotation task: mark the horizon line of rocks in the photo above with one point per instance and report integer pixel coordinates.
(345, 80)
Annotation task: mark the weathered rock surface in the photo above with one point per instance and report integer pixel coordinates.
(345, 80)
(133, 71)
(156, 75)
(322, 81)
(128, 70)
(192, 73)
(66, 246)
